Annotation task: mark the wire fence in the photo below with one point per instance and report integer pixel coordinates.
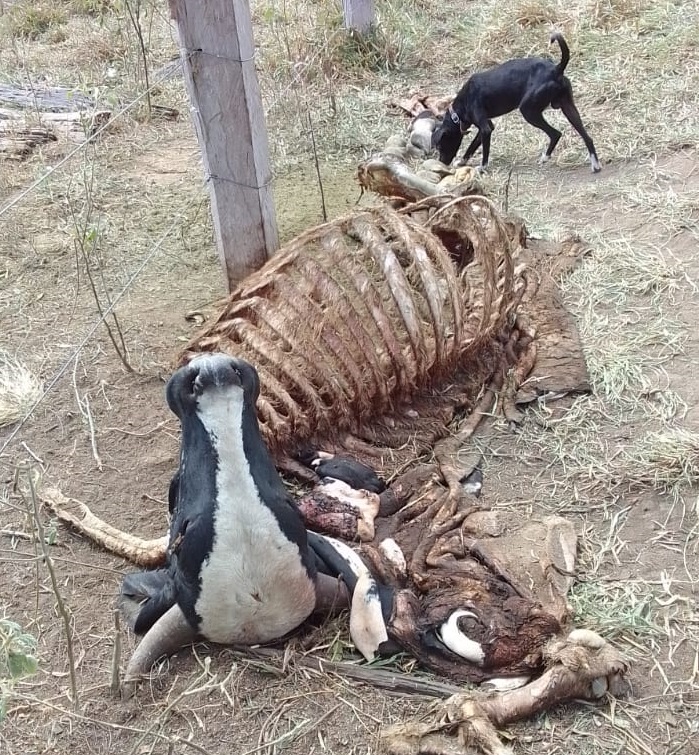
(34, 186)
(93, 329)
(296, 84)
(19, 197)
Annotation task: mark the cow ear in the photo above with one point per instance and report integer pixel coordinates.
(172, 392)
(251, 382)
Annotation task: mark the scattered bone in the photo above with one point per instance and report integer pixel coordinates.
(577, 671)
(505, 684)
(392, 552)
(559, 557)
(421, 133)
(147, 553)
(367, 626)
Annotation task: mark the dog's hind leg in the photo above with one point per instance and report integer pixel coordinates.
(533, 114)
(568, 109)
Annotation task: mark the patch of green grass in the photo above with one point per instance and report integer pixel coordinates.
(616, 610)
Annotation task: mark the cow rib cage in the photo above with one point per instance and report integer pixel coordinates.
(356, 317)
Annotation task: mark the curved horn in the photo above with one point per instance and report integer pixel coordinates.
(169, 633)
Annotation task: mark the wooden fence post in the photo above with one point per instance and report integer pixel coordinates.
(217, 52)
(359, 15)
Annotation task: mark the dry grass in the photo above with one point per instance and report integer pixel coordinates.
(34, 20)
(622, 293)
(666, 460)
(617, 48)
(19, 389)
(590, 457)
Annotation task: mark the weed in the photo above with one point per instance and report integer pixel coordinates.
(17, 659)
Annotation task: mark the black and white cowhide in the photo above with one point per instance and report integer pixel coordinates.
(241, 567)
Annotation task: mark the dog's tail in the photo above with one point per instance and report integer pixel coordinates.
(565, 52)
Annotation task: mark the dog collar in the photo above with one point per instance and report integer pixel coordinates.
(454, 117)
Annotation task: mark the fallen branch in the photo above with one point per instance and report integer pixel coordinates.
(20, 142)
(63, 610)
(74, 126)
(61, 99)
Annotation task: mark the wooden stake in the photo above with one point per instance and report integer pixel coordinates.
(217, 49)
(359, 15)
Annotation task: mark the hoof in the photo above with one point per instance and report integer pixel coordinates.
(128, 689)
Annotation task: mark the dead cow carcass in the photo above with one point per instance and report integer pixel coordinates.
(371, 330)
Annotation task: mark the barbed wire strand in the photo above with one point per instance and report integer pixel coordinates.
(76, 353)
(167, 73)
(83, 145)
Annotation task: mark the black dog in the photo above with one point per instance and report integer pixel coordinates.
(530, 84)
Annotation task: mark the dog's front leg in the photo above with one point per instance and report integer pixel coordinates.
(470, 150)
(485, 129)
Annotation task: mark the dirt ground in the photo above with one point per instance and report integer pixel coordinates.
(104, 434)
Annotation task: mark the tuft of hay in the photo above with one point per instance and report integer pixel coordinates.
(610, 14)
(20, 389)
(666, 461)
(624, 359)
(663, 460)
